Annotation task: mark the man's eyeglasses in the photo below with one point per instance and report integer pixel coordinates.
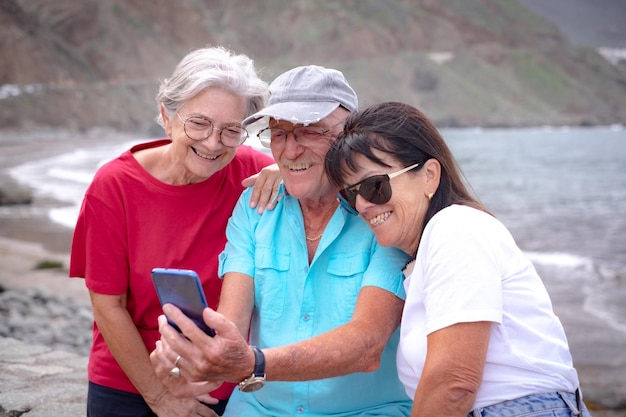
(304, 135)
(200, 128)
(375, 189)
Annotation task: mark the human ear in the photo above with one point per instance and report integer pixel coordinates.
(432, 172)
(166, 122)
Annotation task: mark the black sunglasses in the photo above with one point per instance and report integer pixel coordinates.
(375, 189)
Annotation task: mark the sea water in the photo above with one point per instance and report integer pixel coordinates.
(562, 194)
(560, 191)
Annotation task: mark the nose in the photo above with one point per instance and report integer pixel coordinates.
(214, 139)
(290, 134)
(292, 146)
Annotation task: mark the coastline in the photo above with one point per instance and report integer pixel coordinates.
(27, 234)
(598, 351)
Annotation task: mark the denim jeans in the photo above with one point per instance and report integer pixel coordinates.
(552, 404)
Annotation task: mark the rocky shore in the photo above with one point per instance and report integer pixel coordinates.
(35, 317)
(41, 381)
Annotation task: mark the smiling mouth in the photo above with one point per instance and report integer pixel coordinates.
(380, 219)
(299, 167)
(203, 156)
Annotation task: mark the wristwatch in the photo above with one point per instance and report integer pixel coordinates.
(255, 381)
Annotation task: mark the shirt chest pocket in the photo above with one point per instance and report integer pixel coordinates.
(270, 282)
(344, 282)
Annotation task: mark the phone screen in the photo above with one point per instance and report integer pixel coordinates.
(182, 288)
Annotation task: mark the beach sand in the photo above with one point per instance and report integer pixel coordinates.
(599, 351)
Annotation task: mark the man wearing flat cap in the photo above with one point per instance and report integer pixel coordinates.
(306, 283)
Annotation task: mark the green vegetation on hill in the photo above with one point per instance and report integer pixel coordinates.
(465, 63)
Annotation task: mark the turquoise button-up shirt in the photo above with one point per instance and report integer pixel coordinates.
(295, 301)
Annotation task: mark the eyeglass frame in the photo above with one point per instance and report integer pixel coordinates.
(324, 133)
(385, 179)
(242, 139)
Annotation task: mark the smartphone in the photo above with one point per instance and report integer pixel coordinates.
(182, 288)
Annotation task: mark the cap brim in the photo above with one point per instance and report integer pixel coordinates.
(295, 112)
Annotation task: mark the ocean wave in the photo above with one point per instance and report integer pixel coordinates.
(65, 216)
(65, 177)
(563, 260)
(601, 288)
(605, 301)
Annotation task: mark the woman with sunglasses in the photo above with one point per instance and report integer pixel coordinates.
(165, 203)
(478, 334)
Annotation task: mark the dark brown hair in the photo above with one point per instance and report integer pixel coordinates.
(409, 137)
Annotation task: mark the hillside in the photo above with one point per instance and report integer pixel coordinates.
(76, 65)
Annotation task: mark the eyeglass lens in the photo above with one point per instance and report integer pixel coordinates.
(199, 128)
(303, 135)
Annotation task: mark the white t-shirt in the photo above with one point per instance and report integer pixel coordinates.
(468, 268)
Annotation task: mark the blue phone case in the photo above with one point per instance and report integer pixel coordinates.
(182, 288)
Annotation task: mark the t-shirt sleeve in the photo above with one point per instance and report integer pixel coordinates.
(99, 245)
(461, 271)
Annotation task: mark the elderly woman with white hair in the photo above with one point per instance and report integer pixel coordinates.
(166, 203)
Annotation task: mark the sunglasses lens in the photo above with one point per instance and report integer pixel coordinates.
(349, 196)
(376, 189)
(347, 205)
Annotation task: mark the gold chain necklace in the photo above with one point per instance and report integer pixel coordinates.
(318, 237)
(314, 239)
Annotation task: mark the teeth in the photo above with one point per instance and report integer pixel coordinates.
(212, 158)
(299, 167)
(380, 219)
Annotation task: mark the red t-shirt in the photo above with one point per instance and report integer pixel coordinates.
(130, 222)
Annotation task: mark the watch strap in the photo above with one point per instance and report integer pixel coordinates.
(259, 362)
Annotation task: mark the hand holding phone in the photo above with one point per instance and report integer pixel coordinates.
(182, 288)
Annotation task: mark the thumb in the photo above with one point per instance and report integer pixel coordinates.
(250, 181)
(222, 326)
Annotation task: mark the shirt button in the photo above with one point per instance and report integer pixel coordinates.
(306, 317)
(300, 410)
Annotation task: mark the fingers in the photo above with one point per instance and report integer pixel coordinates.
(250, 181)
(160, 362)
(222, 326)
(180, 386)
(275, 199)
(171, 351)
(170, 405)
(264, 194)
(268, 199)
(188, 328)
(207, 399)
(224, 357)
(206, 411)
(165, 328)
(198, 350)
(265, 190)
(257, 182)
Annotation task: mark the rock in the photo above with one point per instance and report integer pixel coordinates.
(13, 193)
(35, 317)
(40, 381)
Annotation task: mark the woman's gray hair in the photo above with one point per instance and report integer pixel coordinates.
(212, 67)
